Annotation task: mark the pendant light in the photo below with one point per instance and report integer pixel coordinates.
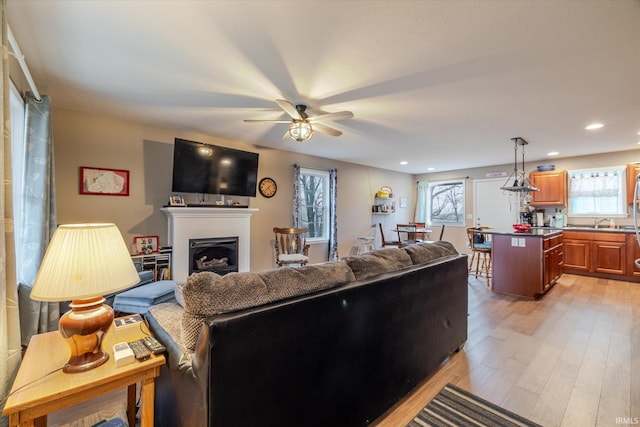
(520, 182)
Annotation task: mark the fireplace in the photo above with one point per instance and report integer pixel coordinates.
(216, 254)
(187, 223)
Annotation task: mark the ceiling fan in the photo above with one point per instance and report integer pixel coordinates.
(301, 125)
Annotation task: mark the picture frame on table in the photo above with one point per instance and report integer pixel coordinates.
(176, 200)
(103, 181)
(146, 245)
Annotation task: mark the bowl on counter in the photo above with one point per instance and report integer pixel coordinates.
(521, 227)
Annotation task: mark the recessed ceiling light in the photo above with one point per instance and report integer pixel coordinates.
(404, 162)
(431, 169)
(552, 153)
(593, 126)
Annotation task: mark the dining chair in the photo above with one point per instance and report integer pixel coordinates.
(406, 234)
(480, 251)
(291, 246)
(419, 236)
(386, 242)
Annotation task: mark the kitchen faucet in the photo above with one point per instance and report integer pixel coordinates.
(597, 221)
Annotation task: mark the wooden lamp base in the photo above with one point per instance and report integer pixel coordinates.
(83, 328)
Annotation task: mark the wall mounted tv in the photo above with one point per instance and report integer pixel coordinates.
(210, 169)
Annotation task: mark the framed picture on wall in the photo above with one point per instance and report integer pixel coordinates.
(105, 182)
(146, 244)
(176, 200)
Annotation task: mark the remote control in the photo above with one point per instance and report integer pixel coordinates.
(153, 345)
(140, 351)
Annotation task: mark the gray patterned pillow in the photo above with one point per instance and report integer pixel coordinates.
(422, 253)
(378, 262)
(206, 293)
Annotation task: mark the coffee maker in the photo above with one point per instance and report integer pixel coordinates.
(525, 218)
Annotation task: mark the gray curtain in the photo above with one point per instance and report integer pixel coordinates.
(10, 354)
(333, 215)
(297, 198)
(38, 217)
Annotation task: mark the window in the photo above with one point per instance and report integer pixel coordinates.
(594, 192)
(446, 203)
(314, 199)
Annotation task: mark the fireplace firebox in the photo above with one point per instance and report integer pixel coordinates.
(216, 254)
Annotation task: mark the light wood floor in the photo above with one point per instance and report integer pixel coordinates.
(571, 358)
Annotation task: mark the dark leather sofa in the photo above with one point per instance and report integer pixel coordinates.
(338, 357)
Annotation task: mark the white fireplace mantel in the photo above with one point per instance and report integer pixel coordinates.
(197, 223)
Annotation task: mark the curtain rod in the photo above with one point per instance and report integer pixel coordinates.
(17, 53)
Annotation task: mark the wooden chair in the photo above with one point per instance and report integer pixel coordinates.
(291, 246)
(480, 252)
(441, 232)
(406, 234)
(420, 237)
(386, 242)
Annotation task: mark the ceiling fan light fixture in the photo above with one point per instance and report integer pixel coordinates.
(300, 130)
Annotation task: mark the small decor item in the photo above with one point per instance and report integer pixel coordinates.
(385, 192)
(146, 244)
(520, 227)
(267, 187)
(107, 182)
(176, 200)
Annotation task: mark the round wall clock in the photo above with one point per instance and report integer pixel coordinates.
(267, 187)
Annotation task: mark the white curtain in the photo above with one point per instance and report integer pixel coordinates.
(421, 201)
(10, 350)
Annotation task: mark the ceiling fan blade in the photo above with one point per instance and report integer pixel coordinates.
(340, 115)
(326, 129)
(289, 108)
(266, 121)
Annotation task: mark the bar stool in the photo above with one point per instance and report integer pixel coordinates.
(480, 252)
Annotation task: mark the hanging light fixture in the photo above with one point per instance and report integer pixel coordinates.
(520, 181)
(300, 130)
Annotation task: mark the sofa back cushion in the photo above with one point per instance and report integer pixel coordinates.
(421, 253)
(377, 262)
(206, 293)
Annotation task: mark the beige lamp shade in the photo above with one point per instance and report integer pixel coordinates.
(84, 261)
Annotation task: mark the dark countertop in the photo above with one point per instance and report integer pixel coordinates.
(550, 231)
(532, 232)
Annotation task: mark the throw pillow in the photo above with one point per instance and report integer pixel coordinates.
(421, 253)
(377, 262)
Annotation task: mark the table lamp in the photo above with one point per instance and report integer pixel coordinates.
(83, 262)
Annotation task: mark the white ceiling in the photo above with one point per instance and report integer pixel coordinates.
(437, 83)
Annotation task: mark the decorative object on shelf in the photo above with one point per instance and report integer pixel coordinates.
(146, 244)
(176, 200)
(546, 168)
(267, 187)
(520, 182)
(385, 192)
(105, 182)
(83, 262)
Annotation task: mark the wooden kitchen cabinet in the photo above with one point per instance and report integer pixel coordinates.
(553, 188)
(553, 261)
(633, 253)
(633, 169)
(525, 265)
(595, 252)
(576, 254)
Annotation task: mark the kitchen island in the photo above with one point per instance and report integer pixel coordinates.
(525, 263)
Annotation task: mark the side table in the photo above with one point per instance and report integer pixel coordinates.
(41, 389)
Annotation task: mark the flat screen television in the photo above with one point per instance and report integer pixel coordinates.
(210, 169)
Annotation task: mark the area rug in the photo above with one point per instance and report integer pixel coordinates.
(453, 406)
